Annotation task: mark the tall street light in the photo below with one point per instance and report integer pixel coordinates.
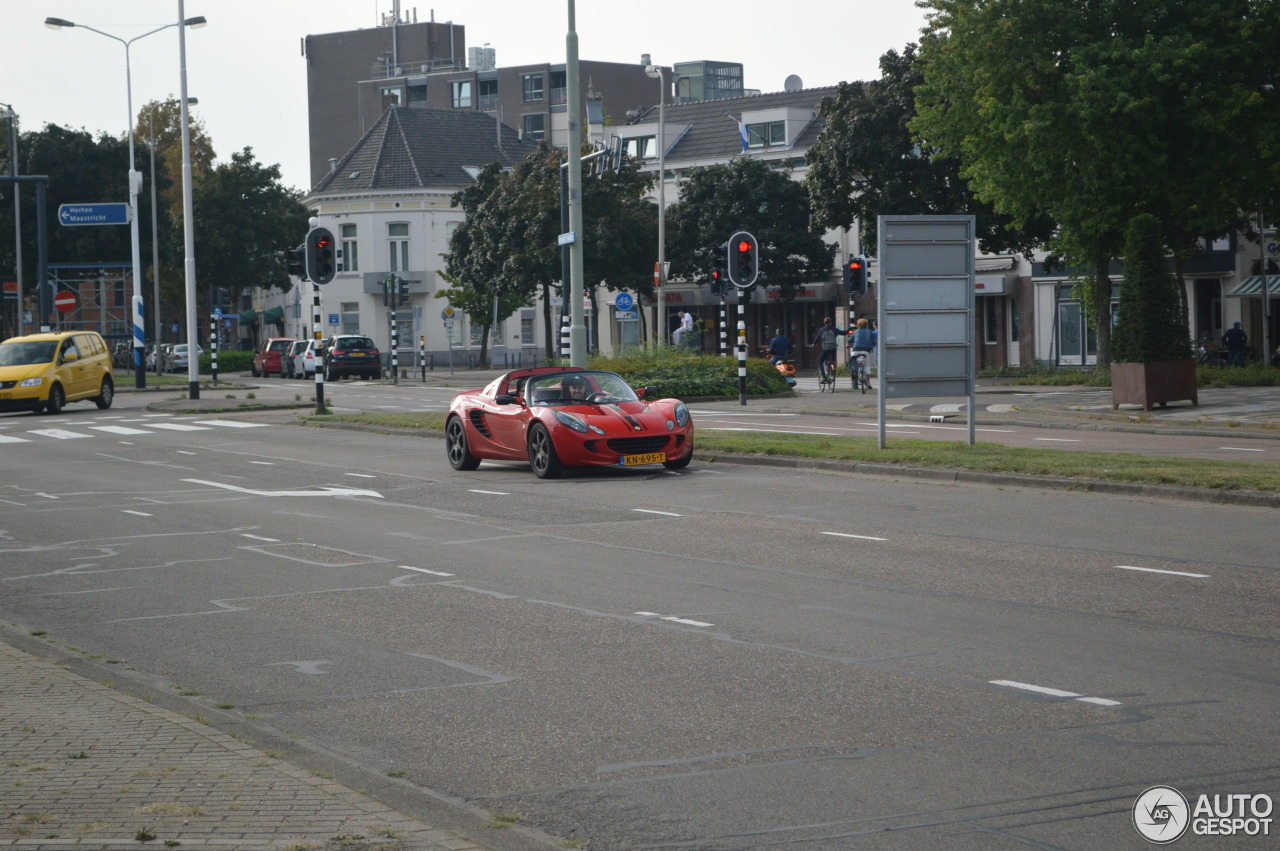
(660, 276)
(135, 181)
(188, 216)
(155, 243)
(12, 114)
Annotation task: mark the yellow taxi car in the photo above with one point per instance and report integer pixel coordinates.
(42, 372)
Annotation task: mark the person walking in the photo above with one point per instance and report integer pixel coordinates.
(1234, 342)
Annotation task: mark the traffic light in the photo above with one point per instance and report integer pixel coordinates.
(321, 256)
(855, 275)
(294, 257)
(404, 291)
(717, 281)
(744, 260)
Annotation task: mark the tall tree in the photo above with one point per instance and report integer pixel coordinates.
(244, 220)
(746, 194)
(866, 163)
(1093, 112)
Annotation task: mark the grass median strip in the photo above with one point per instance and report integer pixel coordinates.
(983, 457)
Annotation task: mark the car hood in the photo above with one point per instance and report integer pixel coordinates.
(626, 414)
(17, 373)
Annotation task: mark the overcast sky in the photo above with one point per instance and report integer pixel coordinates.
(247, 69)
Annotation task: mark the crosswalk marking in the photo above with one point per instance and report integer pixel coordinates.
(4, 438)
(57, 433)
(120, 429)
(231, 424)
(177, 427)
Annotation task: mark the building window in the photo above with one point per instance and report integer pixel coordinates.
(767, 134)
(558, 88)
(462, 94)
(390, 96)
(535, 126)
(990, 321)
(642, 147)
(532, 87)
(487, 91)
(526, 330)
(417, 96)
(350, 317)
(398, 246)
(350, 256)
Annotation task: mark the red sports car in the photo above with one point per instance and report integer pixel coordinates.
(557, 417)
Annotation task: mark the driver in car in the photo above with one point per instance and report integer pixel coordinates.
(575, 388)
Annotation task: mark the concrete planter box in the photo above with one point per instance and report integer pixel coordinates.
(1157, 383)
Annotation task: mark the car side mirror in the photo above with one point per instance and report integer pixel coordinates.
(504, 399)
(68, 357)
(646, 392)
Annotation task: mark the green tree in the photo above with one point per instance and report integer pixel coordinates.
(866, 163)
(747, 194)
(244, 220)
(1092, 112)
(507, 244)
(1151, 325)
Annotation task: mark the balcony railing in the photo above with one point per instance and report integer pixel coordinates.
(385, 70)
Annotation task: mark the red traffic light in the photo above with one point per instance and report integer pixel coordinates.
(855, 265)
(743, 246)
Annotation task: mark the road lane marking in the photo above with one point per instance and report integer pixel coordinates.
(260, 538)
(4, 438)
(264, 463)
(1058, 439)
(424, 570)
(326, 490)
(1157, 570)
(231, 424)
(58, 434)
(651, 511)
(1240, 449)
(673, 619)
(177, 426)
(361, 475)
(139, 513)
(1054, 692)
(494, 493)
(859, 537)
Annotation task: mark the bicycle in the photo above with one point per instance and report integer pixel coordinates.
(827, 375)
(859, 373)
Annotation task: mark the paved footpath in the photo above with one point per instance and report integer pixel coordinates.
(88, 767)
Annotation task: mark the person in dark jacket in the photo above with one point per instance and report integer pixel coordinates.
(1234, 342)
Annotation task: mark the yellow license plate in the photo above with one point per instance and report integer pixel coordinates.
(647, 458)
(5, 395)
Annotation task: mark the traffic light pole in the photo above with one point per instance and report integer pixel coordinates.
(319, 355)
(573, 86)
(742, 347)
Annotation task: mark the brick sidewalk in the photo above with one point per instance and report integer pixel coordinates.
(88, 767)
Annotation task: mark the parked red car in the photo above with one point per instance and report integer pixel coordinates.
(555, 418)
(267, 361)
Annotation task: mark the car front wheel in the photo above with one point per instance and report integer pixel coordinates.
(542, 454)
(57, 398)
(678, 463)
(455, 443)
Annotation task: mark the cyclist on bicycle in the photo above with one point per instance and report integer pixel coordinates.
(828, 338)
(861, 344)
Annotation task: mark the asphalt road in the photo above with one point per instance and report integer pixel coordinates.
(724, 658)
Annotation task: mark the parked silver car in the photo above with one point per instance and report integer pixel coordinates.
(178, 363)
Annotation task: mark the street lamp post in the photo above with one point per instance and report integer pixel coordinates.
(135, 179)
(188, 215)
(660, 277)
(155, 243)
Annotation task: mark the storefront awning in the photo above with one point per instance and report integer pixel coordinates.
(273, 314)
(992, 264)
(249, 317)
(1253, 287)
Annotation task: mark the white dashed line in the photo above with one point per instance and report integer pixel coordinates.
(1053, 692)
(494, 493)
(673, 619)
(361, 475)
(139, 513)
(859, 537)
(259, 538)
(1058, 439)
(1157, 570)
(424, 570)
(1239, 449)
(663, 513)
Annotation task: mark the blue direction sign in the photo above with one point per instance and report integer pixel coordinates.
(624, 301)
(93, 214)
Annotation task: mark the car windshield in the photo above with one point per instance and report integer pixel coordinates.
(594, 388)
(358, 343)
(22, 354)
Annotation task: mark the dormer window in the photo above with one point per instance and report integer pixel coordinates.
(766, 135)
(641, 147)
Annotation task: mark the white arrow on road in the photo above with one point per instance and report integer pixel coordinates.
(324, 491)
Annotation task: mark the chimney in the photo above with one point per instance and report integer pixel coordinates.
(333, 165)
